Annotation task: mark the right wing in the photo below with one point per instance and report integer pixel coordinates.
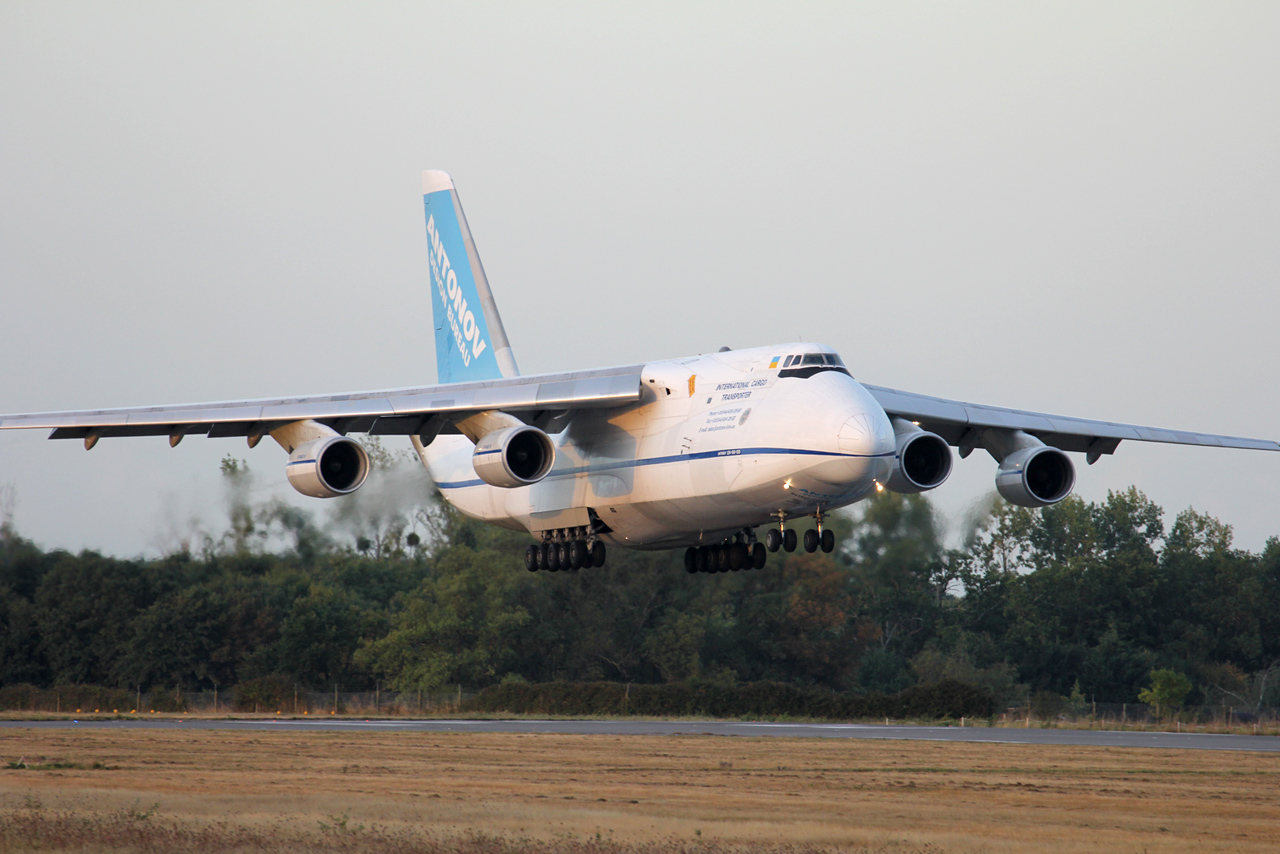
(426, 410)
(961, 424)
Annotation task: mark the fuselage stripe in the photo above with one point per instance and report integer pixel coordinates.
(675, 458)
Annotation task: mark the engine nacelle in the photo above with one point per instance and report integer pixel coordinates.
(516, 456)
(328, 467)
(1036, 477)
(923, 462)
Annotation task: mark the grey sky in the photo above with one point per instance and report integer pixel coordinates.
(1074, 209)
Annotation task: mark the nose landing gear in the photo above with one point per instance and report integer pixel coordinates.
(819, 537)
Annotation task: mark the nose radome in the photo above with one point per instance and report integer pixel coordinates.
(867, 435)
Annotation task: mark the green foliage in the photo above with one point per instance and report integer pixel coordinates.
(1168, 690)
(1080, 600)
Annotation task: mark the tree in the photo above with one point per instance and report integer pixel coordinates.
(1168, 690)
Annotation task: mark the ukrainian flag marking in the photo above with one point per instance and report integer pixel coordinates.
(774, 362)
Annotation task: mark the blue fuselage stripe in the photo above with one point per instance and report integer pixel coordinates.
(675, 458)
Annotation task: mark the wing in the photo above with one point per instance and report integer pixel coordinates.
(961, 425)
(424, 410)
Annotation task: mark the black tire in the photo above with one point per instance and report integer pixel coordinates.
(531, 558)
(563, 548)
(739, 556)
(758, 556)
(811, 541)
(597, 554)
(789, 540)
(773, 539)
(704, 559)
(577, 554)
(828, 541)
(550, 557)
(691, 560)
(722, 558)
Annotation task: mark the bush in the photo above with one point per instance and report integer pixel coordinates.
(265, 694)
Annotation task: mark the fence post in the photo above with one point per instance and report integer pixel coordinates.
(335, 698)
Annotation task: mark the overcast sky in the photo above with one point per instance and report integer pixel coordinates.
(1072, 208)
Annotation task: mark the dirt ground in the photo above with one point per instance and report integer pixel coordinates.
(879, 795)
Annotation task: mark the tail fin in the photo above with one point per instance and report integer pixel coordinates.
(470, 341)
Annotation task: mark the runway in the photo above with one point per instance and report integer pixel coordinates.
(1064, 737)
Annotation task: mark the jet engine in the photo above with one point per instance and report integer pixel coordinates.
(328, 467)
(515, 456)
(1035, 477)
(923, 460)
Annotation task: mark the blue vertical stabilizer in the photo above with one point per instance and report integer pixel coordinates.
(470, 341)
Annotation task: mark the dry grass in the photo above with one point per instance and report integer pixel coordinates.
(153, 790)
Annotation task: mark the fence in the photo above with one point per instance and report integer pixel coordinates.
(250, 699)
(1122, 714)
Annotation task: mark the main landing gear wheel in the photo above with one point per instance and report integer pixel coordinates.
(531, 558)
(577, 554)
(811, 541)
(738, 556)
(828, 541)
(773, 539)
(550, 557)
(691, 560)
(789, 540)
(758, 556)
(597, 553)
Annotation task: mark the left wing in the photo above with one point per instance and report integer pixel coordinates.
(426, 410)
(962, 424)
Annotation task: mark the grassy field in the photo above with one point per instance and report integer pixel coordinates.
(112, 790)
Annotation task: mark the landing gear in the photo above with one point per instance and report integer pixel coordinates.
(691, 560)
(822, 537)
(773, 539)
(811, 538)
(565, 549)
(789, 540)
(758, 556)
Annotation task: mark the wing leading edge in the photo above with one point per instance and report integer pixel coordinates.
(394, 412)
(962, 424)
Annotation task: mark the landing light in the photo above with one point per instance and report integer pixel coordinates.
(786, 484)
(879, 486)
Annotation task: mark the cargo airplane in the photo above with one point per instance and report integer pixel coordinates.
(704, 452)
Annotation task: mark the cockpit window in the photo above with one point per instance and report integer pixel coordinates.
(807, 365)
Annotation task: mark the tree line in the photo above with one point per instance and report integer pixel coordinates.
(1080, 600)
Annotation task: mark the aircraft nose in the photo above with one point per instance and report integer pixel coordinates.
(866, 445)
(866, 435)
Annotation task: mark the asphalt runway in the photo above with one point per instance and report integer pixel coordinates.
(1068, 737)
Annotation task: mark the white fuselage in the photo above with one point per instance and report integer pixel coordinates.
(717, 443)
